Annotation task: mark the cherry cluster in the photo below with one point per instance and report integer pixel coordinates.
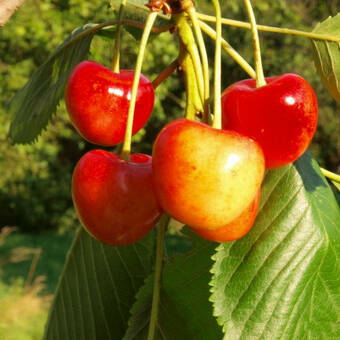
(206, 178)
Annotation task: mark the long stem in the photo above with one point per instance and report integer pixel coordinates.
(331, 175)
(128, 132)
(165, 74)
(204, 57)
(217, 123)
(158, 275)
(116, 48)
(187, 38)
(227, 47)
(194, 104)
(260, 81)
(242, 24)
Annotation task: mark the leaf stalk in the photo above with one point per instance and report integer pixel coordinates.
(158, 275)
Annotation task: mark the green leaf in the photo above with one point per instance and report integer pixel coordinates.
(185, 311)
(282, 281)
(327, 55)
(33, 106)
(97, 289)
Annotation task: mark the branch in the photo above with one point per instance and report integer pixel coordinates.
(7, 9)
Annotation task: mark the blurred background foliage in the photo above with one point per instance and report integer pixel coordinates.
(35, 179)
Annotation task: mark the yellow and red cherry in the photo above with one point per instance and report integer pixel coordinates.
(205, 177)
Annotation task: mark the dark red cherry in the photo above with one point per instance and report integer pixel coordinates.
(97, 100)
(114, 198)
(281, 116)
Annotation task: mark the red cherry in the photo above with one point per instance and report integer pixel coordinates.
(205, 177)
(115, 199)
(236, 228)
(97, 100)
(281, 116)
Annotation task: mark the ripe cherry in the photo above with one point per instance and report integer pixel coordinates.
(97, 100)
(205, 177)
(281, 116)
(235, 229)
(115, 199)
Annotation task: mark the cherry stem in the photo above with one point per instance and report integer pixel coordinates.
(217, 122)
(194, 105)
(272, 29)
(228, 48)
(163, 224)
(331, 175)
(116, 48)
(204, 58)
(170, 69)
(260, 81)
(125, 154)
(187, 38)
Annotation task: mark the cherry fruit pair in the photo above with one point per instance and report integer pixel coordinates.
(114, 198)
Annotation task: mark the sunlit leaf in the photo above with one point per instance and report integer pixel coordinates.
(282, 281)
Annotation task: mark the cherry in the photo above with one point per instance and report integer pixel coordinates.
(115, 199)
(281, 116)
(205, 177)
(236, 228)
(97, 100)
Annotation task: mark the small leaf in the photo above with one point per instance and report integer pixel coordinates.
(282, 281)
(33, 106)
(98, 288)
(327, 55)
(185, 311)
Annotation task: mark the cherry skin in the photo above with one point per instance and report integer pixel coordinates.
(97, 101)
(115, 199)
(281, 116)
(205, 177)
(235, 229)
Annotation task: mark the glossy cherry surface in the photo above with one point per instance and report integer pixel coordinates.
(281, 116)
(97, 101)
(235, 229)
(115, 199)
(205, 177)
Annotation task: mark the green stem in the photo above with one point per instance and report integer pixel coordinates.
(217, 123)
(331, 175)
(242, 24)
(187, 38)
(158, 275)
(116, 48)
(165, 74)
(233, 53)
(204, 57)
(260, 81)
(125, 154)
(194, 105)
